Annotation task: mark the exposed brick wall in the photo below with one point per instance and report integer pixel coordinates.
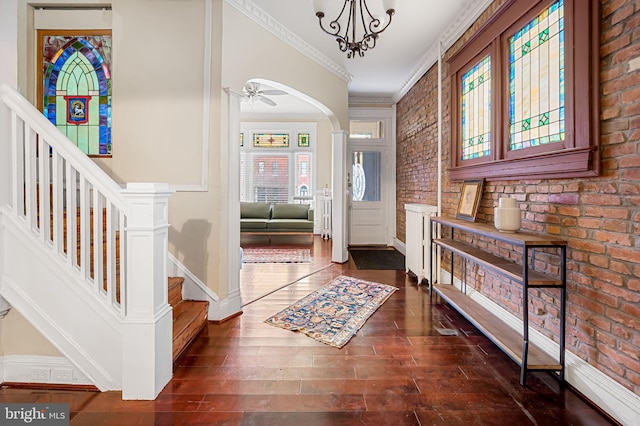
(600, 217)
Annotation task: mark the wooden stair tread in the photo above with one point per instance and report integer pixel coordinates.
(175, 290)
(189, 319)
(505, 337)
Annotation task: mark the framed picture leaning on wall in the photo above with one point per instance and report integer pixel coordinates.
(470, 197)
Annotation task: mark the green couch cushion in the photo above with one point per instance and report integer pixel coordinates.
(292, 225)
(290, 211)
(249, 210)
(253, 224)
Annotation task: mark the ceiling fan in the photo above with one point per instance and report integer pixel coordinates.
(253, 93)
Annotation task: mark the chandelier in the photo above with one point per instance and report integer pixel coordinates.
(354, 14)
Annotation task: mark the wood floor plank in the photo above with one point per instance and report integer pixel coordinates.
(397, 370)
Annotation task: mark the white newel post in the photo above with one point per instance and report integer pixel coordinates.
(147, 364)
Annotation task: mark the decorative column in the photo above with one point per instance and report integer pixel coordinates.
(339, 251)
(147, 363)
(230, 193)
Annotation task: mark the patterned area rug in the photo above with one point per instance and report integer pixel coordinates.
(270, 255)
(334, 313)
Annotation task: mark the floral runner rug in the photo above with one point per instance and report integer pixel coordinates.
(334, 313)
(270, 255)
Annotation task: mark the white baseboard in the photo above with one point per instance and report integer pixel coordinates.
(226, 308)
(400, 246)
(41, 369)
(194, 289)
(610, 396)
(175, 268)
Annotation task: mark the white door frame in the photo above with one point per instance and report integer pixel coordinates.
(387, 115)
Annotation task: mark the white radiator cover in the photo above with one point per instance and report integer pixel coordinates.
(418, 239)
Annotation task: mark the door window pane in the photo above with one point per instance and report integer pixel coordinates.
(366, 169)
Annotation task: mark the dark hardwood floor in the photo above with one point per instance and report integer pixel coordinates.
(401, 368)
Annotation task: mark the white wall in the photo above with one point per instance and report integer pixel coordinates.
(170, 110)
(171, 61)
(9, 42)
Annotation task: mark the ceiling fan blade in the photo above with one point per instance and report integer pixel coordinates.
(266, 100)
(273, 92)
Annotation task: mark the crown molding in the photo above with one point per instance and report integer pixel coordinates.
(355, 101)
(472, 11)
(463, 22)
(262, 18)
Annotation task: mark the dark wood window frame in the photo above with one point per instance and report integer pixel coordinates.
(576, 156)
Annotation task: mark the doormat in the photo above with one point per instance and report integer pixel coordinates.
(269, 255)
(378, 259)
(334, 313)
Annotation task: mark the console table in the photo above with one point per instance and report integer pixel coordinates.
(515, 343)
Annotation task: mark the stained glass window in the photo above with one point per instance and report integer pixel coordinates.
(77, 89)
(544, 105)
(536, 81)
(271, 140)
(476, 110)
(303, 139)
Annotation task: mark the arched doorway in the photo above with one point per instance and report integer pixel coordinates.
(334, 161)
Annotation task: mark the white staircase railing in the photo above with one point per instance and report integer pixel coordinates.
(82, 218)
(67, 200)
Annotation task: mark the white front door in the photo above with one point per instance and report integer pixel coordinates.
(368, 221)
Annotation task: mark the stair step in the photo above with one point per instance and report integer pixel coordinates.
(175, 290)
(189, 319)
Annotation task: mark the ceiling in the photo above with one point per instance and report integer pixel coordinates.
(404, 52)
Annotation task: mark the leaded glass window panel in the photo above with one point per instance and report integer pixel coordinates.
(274, 167)
(536, 81)
(271, 140)
(544, 94)
(303, 139)
(476, 110)
(76, 88)
(366, 172)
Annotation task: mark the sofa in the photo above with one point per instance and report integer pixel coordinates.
(276, 218)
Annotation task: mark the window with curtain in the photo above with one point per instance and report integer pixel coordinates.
(518, 91)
